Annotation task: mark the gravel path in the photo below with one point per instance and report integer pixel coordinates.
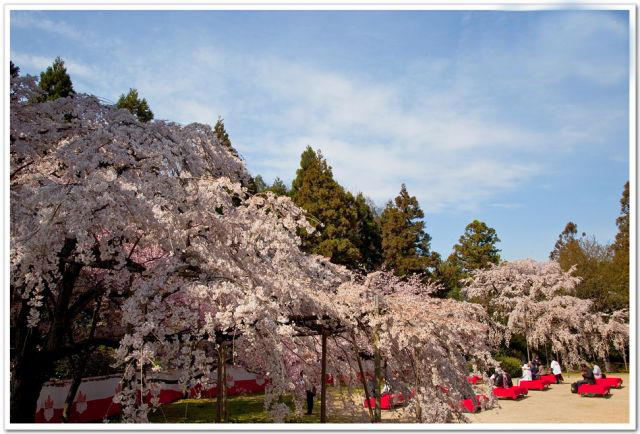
(559, 405)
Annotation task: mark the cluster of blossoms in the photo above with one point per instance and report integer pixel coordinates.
(154, 219)
(536, 299)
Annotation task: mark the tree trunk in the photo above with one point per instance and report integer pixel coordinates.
(77, 375)
(323, 384)
(30, 371)
(378, 385)
(225, 402)
(219, 384)
(624, 359)
(30, 375)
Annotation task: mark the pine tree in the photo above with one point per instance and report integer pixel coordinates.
(14, 71)
(331, 210)
(55, 82)
(279, 187)
(223, 137)
(405, 244)
(369, 234)
(139, 107)
(476, 248)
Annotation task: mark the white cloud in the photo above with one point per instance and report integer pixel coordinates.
(32, 20)
(443, 127)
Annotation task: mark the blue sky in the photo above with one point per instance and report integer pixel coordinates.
(519, 119)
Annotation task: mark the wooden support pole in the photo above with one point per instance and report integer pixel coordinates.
(323, 389)
(364, 381)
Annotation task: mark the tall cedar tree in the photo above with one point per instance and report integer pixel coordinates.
(405, 244)
(55, 82)
(369, 234)
(348, 233)
(133, 103)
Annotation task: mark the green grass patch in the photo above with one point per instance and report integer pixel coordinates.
(242, 409)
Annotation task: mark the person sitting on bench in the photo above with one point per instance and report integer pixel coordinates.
(587, 378)
(503, 379)
(597, 372)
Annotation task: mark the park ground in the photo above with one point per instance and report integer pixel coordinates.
(554, 406)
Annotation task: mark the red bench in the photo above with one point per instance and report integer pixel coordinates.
(474, 379)
(509, 392)
(614, 383)
(386, 402)
(593, 390)
(534, 385)
(467, 406)
(549, 379)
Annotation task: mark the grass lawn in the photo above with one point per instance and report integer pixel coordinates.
(242, 409)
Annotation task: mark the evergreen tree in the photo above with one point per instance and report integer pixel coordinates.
(257, 185)
(279, 187)
(331, 210)
(139, 107)
(449, 274)
(405, 244)
(476, 248)
(620, 262)
(55, 82)
(369, 234)
(566, 238)
(14, 71)
(223, 137)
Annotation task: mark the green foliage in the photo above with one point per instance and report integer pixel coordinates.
(449, 274)
(14, 71)
(55, 82)
(315, 190)
(133, 103)
(566, 238)
(620, 262)
(603, 269)
(511, 365)
(369, 233)
(476, 248)
(405, 244)
(258, 184)
(279, 187)
(223, 137)
(347, 231)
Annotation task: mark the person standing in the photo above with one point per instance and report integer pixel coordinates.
(555, 369)
(526, 373)
(310, 389)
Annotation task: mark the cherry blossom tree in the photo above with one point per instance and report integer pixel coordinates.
(149, 228)
(535, 299)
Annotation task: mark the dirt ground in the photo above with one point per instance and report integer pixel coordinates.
(559, 405)
(555, 405)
